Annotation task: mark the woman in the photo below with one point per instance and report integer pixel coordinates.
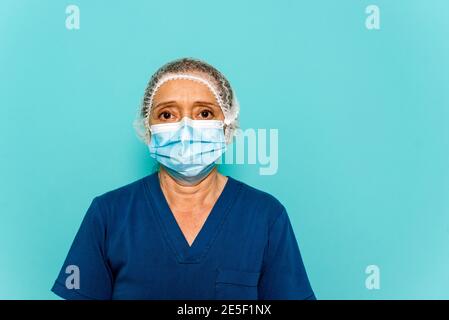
(186, 231)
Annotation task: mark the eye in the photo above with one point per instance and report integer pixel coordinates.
(206, 114)
(165, 115)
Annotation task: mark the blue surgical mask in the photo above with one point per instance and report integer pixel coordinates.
(189, 148)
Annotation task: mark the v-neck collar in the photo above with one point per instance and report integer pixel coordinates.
(209, 230)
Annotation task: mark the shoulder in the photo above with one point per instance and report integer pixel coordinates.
(122, 198)
(260, 201)
(112, 209)
(123, 192)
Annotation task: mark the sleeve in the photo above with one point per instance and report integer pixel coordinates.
(283, 276)
(85, 274)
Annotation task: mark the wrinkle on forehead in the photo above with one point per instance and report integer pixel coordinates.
(184, 90)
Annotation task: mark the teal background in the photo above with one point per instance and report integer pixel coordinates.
(363, 119)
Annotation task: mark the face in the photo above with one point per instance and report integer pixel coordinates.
(180, 98)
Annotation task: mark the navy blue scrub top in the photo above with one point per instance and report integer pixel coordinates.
(129, 246)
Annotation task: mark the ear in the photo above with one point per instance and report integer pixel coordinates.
(228, 133)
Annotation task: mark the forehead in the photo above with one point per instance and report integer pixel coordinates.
(184, 89)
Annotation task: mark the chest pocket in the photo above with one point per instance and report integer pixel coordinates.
(236, 285)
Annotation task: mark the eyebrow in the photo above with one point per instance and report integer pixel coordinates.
(164, 103)
(161, 104)
(207, 103)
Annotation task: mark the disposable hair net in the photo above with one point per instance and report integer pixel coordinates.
(195, 70)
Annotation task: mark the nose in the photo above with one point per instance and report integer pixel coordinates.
(186, 109)
(185, 131)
